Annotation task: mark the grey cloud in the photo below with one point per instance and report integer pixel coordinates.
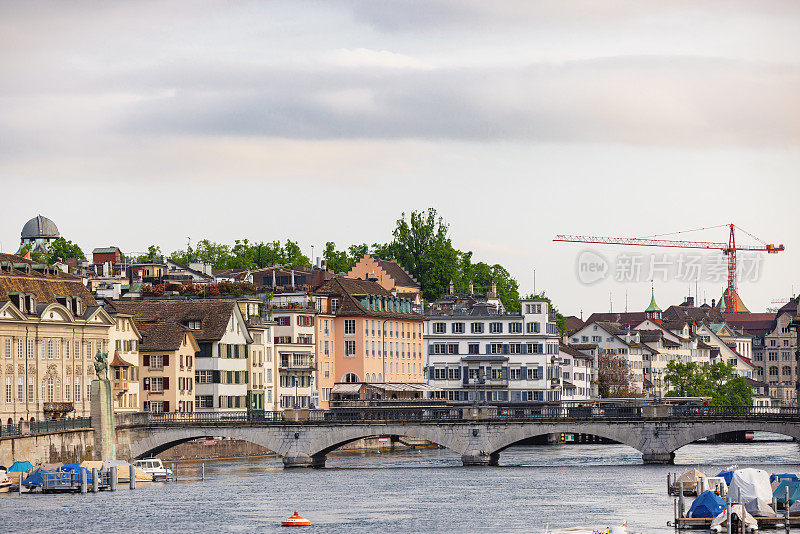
(638, 100)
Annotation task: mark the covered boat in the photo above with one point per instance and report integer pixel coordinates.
(794, 510)
(124, 471)
(776, 479)
(748, 484)
(5, 483)
(689, 479)
(20, 467)
(707, 504)
(35, 478)
(77, 468)
(760, 508)
(738, 511)
(794, 491)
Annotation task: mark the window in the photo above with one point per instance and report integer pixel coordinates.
(474, 348)
(156, 362)
(283, 320)
(533, 373)
(458, 328)
(77, 389)
(334, 305)
(350, 349)
(515, 348)
(533, 328)
(32, 388)
(349, 327)
(439, 328)
(20, 388)
(156, 384)
(453, 373)
(495, 328)
(439, 373)
(9, 389)
(194, 325)
(495, 348)
(515, 373)
(9, 344)
(204, 377)
(534, 348)
(514, 328)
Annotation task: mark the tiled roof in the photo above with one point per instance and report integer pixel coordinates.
(105, 250)
(117, 361)
(574, 323)
(692, 314)
(46, 287)
(395, 270)
(162, 336)
(584, 346)
(212, 314)
(572, 351)
(627, 318)
(348, 288)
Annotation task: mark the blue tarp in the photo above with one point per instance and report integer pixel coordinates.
(727, 475)
(794, 491)
(782, 476)
(36, 478)
(20, 467)
(707, 504)
(76, 468)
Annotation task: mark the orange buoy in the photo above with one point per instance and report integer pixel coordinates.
(296, 521)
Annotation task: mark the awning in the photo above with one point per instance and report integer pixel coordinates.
(346, 389)
(400, 386)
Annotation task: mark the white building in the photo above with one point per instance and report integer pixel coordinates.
(577, 373)
(475, 353)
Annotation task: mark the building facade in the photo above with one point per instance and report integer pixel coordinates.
(367, 334)
(50, 329)
(476, 354)
(124, 342)
(295, 318)
(166, 369)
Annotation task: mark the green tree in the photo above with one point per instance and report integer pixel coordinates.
(421, 245)
(718, 381)
(337, 260)
(62, 249)
(293, 255)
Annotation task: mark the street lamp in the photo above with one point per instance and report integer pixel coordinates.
(296, 397)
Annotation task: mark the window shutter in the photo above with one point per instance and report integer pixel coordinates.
(488, 348)
(147, 383)
(246, 376)
(465, 375)
(215, 377)
(504, 373)
(166, 404)
(166, 383)
(523, 373)
(505, 348)
(146, 361)
(540, 372)
(430, 373)
(524, 348)
(166, 360)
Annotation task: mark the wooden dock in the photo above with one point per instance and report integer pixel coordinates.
(71, 482)
(702, 523)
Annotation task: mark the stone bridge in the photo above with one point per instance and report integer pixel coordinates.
(478, 435)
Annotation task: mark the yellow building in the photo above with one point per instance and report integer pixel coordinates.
(167, 367)
(50, 329)
(124, 340)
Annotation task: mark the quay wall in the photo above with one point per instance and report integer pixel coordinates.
(64, 446)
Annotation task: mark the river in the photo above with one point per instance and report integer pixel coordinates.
(406, 491)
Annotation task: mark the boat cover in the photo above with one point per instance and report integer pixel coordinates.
(760, 508)
(794, 491)
(727, 475)
(76, 468)
(791, 476)
(707, 504)
(794, 510)
(124, 471)
(20, 467)
(737, 510)
(36, 477)
(749, 484)
(689, 478)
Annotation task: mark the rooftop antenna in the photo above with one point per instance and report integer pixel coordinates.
(626, 301)
(610, 303)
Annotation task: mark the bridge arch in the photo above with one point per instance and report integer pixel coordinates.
(694, 432)
(622, 433)
(156, 440)
(329, 441)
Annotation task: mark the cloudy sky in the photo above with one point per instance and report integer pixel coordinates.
(133, 123)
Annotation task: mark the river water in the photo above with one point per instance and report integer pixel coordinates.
(564, 486)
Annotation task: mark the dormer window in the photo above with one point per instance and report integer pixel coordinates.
(334, 305)
(18, 299)
(194, 325)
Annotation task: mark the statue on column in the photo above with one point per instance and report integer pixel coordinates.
(101, 365)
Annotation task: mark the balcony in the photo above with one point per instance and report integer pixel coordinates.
(298, 362)
(120, 386)
(54, 408)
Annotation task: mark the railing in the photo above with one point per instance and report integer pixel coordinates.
(517, 413)
(43, 427)
(52, 407)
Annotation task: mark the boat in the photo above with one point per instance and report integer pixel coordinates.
(154, 467)
(5, 483)
(296, 521)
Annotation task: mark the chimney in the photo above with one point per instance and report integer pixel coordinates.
(494, 288)
(452, 288)
(471, 287)
(292, 271)
(690, 302)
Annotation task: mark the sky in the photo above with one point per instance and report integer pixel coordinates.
(132, 123)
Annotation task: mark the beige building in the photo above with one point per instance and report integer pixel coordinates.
(295, 351)
(124, 340)
(390, 275)
(167, 354)
(50, 329)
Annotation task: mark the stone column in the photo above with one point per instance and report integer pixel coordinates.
(304, 460)
(102, 411)
(664, 458)
(481, 458)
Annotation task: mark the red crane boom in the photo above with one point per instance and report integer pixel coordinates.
(728, 249)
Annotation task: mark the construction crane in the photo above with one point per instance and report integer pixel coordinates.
(729, 249)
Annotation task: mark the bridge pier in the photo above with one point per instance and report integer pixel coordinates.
(481, 458)
(304, 460)
(658, 458)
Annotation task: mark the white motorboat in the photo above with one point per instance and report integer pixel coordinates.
(154, 467)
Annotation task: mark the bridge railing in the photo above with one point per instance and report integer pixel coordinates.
(243, 416)
(43, 427)
(9, 430)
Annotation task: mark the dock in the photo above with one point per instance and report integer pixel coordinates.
(703, 523)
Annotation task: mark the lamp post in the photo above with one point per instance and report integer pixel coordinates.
(296, 399)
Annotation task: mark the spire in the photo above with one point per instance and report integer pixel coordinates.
(653, 311)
